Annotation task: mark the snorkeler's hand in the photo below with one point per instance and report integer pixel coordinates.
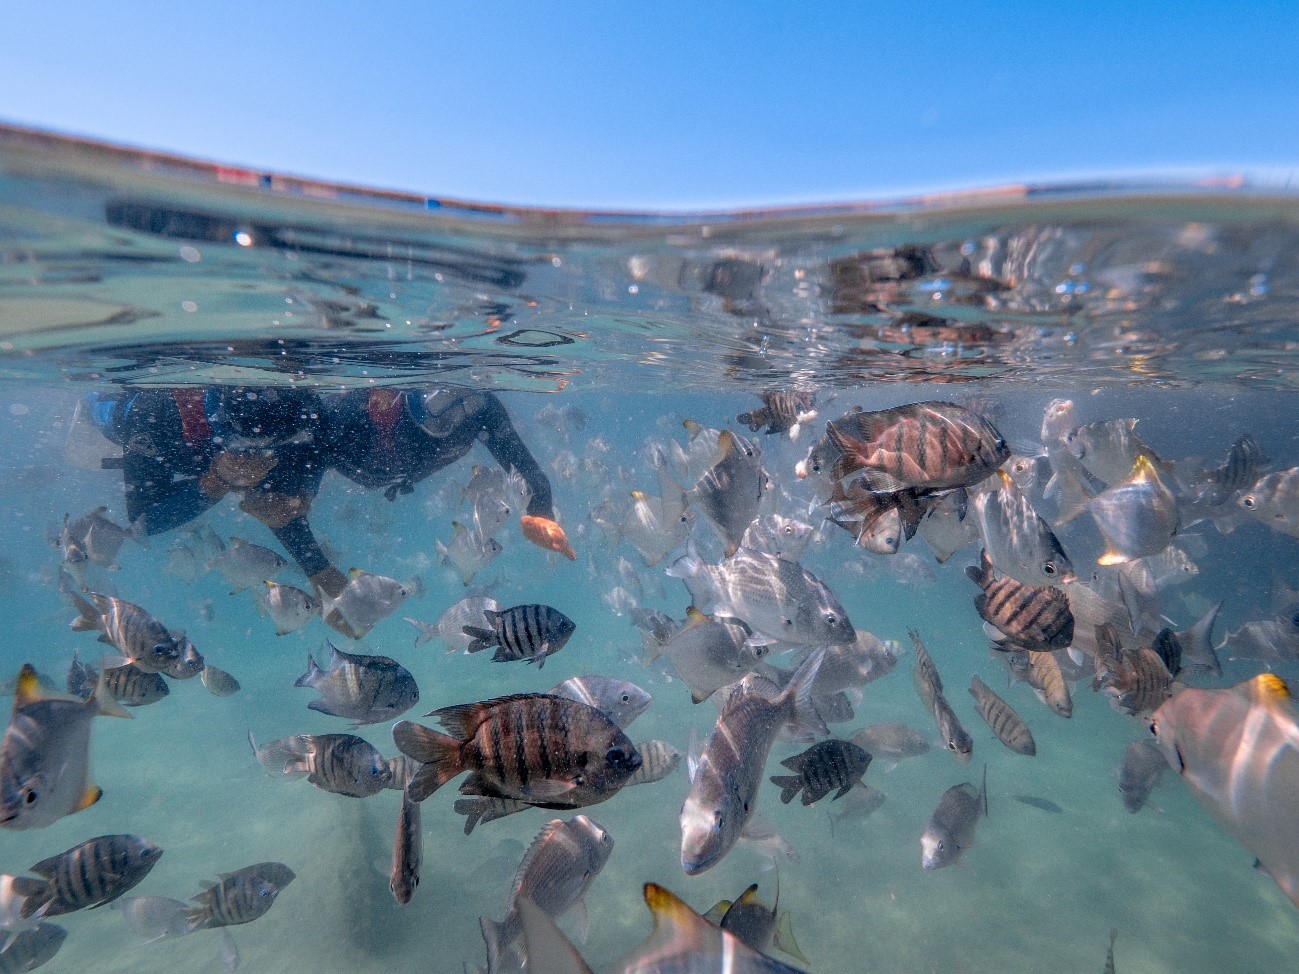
(275, 510)
(238, 471)
(329, 584)
(545, 533)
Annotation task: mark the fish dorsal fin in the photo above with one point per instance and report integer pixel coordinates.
(749, 896)
(725, 445)
(548, 950)
(544, 838)
(1268, 689)
(28, 690)
(1143, 471)
(678, 930)
(718, 912)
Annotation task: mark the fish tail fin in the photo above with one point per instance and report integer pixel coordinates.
(980, 574)
(784, 939)
(36, 894)
(196, 918)
(494, 937)
(1071, 495)
(103, 701)
(805, 719)
(788, 785)
(308, 679)
(438, 753)
(482, 639)
(471, 809)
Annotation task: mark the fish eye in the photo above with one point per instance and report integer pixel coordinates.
(831, 619)
(717, 816)
(942, 846)
(625, 698)
(29, 798)
(1294, 620)
(1048, 569)
(1153, 727)
(1248, 502)
(615, 755)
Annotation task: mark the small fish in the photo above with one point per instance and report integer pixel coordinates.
(926, 446)
(133, 632)
(340, 763)
(683, 942)
(1002, 719)
(891, 742)
(1018, 541)
(368, 599)
(289, 608)
(822, 768)
(1238, 750)
(1109, 954)
(1109, 449)
(1043, 674)
(1196, 644)
(234, 900)
(1140, 682)
(724, 782)
(29, 949)
(859, 804)
(946, 528)
(218, 682)
(951, 827)
(245, 564)
(154, 917)
(367, 689)
(94, 539)
(777, 535)
(129, 685)
(1143, 765)
(778, 598)
(468, 550)
(929, 686)
(523, 632)
(450, 626)
(619, 700)
(45, 754)
(1032, 616)
(546, 534)
(407, 852)
(1274, 500)
(656, 525)
(710, 652)
(658, 760)
(23, 902)
(1070, 483)
(781, 412)
(189, 662)
(96, 871)
(529, 746)
(1137, 516)
(1043, 804)
(555, 874)
(729, 493)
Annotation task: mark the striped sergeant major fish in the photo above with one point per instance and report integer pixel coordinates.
(524, 632)
(94, 872)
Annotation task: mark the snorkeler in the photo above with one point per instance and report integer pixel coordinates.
(185, 449)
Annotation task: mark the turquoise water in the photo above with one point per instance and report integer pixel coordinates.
(1174, 306)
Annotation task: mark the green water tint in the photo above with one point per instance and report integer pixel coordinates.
(1173, 306)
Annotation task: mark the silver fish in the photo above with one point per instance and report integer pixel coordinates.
(946, 526)
(724, 784)
(951, 827)
(94, 539)
(29, 949)
(1069, 484)
(450, 625)
(656, 525)
(154, 917)
(1238, 750)
(368, 689)
(228, 952)
(888, 742)
(1143, 764)
(777, 535)
(555, 874)
(245, 564)
(779, 599)
(133, 632)
(620, 700)
(1274, 500)
(45, 754)
(710, 652)
(218, 682)
(859, 804)
(368, 599)
(1137, 516)
(340, 763)
(1109, 449)
(23, 902)
(1018, 541)
(407, 852)
(189, 661)
(289, 608)
(729, 493)
(469, 551)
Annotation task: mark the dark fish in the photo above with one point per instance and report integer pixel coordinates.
(554, 874)
(29, 949)
(822, 768)
(951, 828)
(550, 751)
(96, 872)
(757, 925)
(1245, 464)
(781, 412)
(1032, 616)
(45, 754)
(1142, 766)
(924, 446)
(275, 873)
(1140, 683)
(1044, 804)
(1002, 719)
(367, 689)
(133, 632)
(1196, 644)
(529, 632)
(133, 687)
(340, 763)
(234, 900)
(407, 852)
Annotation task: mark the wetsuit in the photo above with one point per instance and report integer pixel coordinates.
(173, 441)
(386, 439)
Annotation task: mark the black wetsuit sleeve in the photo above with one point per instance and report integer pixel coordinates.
(301, 544)
(500, 437)
(159, 469)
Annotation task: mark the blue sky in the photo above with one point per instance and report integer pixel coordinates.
(671, 104)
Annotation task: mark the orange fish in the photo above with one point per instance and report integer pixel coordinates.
(545, 533)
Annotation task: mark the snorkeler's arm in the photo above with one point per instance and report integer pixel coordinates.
(500, 437)
(161, 502)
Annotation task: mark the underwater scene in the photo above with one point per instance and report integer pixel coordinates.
(401, 584)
